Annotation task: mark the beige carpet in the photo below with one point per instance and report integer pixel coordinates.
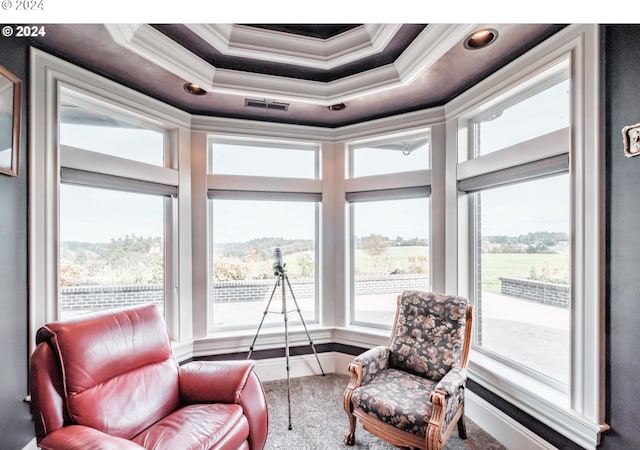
(319, 422)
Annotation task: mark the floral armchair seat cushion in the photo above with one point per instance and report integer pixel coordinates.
(392, 397)
(429, 333)
(401, 399)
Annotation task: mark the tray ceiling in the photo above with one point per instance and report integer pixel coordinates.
(376, 70)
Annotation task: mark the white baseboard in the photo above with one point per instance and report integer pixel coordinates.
(31, 445)
(503, 428)
(302, 366)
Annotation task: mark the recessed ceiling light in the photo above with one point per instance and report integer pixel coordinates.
(480, 39)
(337, 107)
(194, 89)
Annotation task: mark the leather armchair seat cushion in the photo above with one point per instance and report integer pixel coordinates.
(212, 426)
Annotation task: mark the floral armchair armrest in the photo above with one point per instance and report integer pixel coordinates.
(453, 381)
(363, 368)
(448, 402)
(366, 365)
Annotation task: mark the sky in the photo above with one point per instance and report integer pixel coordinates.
(541, 205)
(99, 215)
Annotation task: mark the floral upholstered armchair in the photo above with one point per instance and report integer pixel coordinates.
(410, 393)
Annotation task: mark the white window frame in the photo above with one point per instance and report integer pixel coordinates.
(581, 417)
(265, 188)
(49, 77)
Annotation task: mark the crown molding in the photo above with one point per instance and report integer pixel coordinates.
(286, 48)
(223, 126)
(157, 48)
(433, 42)
(394, 125)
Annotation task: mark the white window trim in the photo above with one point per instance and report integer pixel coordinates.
(86, 160)
(49, 75)
(581, 419)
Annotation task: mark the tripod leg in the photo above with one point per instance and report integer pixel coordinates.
(313, 347)
(264, 314)
(286, 351)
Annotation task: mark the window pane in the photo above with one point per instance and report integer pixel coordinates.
(253, 160)
(542, 113)
(391, 157)
(391, 245)
(111, 249)
(99, 132)
(245, 234)
(523, 272)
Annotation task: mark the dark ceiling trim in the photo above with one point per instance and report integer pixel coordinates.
(314, 30)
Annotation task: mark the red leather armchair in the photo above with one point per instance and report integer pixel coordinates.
(110, 380)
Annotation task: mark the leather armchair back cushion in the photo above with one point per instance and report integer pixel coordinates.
(119, 374)
(45, 383)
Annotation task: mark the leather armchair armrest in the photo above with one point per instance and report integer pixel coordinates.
(371, 362)
(79, 437)
(214, 381)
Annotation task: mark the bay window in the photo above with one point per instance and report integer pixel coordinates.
(521, 243)
(113, 225)
(387, 194)
(528, 177)
(262, 196)
(104, 196)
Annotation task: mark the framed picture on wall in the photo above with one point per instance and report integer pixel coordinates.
(10, 110)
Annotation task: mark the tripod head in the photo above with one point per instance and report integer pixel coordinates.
(278, 264)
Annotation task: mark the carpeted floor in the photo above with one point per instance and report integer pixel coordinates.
(320, 423)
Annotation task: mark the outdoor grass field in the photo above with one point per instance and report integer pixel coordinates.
(496, 265)
(551, 267)
(392, 259)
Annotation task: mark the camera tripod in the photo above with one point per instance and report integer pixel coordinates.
(281, 281)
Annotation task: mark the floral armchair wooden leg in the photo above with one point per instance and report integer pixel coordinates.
(350, 437)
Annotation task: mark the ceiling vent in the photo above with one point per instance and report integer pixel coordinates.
(266, 104)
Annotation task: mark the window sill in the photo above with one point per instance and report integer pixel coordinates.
(540, 400)
(239, 341)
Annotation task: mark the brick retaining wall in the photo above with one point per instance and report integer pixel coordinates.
(75, 298)
(539, 291)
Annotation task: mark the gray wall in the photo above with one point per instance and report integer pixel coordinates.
(622, 77)
(16, 428)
